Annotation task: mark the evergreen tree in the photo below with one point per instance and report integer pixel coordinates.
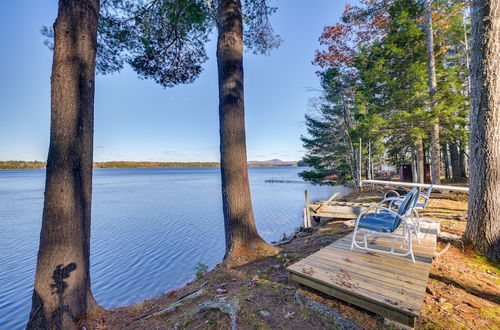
(383, 45)
(330, 149)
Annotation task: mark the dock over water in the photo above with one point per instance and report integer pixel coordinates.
(389, 285)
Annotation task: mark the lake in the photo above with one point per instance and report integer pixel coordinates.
(150, 229)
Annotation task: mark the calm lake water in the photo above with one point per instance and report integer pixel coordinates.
(150, 228)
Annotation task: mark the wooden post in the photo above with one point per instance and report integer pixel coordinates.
(307, 219)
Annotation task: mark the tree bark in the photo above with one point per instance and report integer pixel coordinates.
(414, 166)
(243, 243)
(463, 160)
(483, 226)
(420, 161)
(435, 132)
(456, 166)
(62, 295)
(446, 161)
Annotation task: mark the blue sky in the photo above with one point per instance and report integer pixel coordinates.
(139, 120)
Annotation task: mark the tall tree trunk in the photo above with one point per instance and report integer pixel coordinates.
(243, 243)
(435, 143)
(446, 161)
(62, 293)
(483, 226)
(414, 166)
(463, 160)
(420, 161)
(456, 166)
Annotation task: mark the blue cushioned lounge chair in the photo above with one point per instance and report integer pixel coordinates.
(379, 221)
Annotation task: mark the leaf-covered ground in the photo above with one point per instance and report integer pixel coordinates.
(462, 292)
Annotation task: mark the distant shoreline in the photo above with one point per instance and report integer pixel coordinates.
(36, 165)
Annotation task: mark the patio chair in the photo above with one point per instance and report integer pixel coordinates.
(419, 205)
(379, 221)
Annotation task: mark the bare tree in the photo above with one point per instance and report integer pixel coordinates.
(483, 226)
(62, 293)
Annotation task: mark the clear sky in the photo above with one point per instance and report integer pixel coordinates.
(139, 120)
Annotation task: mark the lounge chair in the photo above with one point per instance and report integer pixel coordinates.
(420, 204)
(380, 221)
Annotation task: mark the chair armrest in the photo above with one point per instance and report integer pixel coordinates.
(423, 196)
(378, 207)
(390, 199)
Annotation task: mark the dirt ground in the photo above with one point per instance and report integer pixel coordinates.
(463, 290)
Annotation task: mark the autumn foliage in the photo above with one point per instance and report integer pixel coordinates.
(358, 25)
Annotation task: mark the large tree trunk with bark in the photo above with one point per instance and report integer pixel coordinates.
(431, 64)
(62, 295)
(243, 243)
(483, 226)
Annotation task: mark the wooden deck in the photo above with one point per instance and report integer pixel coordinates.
(385, 284)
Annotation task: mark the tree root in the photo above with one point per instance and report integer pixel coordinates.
(443, 251)
(175, 305)
(341, 322)
(241, 255)
(227, 307)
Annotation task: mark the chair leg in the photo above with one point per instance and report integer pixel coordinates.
(417, 222)
(354, 237)
(410, 246)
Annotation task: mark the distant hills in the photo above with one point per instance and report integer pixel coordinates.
(272, 162)
(17, 165)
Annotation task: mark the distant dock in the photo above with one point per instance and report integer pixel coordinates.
(284, 181)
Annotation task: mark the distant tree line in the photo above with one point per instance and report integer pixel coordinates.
(125, 164)
(25, 165)
(21, 165)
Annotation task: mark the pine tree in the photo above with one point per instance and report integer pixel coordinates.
(62, 294)
(483, 225)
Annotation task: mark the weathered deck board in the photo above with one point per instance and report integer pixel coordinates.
(389, 285)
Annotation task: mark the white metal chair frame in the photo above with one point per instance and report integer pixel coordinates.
(418, 206)
(409, 229)
(392, 201)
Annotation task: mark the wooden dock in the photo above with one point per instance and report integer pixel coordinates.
(330, 209)
(389, 285)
